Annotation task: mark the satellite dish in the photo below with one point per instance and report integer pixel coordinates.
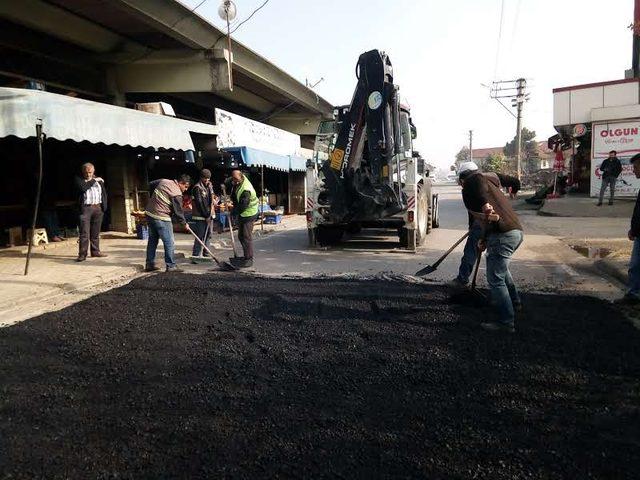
(227, 10)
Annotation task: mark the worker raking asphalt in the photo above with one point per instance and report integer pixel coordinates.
(227, 375)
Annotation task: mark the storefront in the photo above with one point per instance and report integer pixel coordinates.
(272, 157)
(591, 120)
(125, 145)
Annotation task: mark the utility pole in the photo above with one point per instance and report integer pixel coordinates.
(471, 145)
(519, 101)
(516, 91)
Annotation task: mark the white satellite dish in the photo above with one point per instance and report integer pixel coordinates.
(227, 10)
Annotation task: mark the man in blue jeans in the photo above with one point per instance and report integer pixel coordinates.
(476, 229)
(164, 203)
(632, 296)
(503, 233)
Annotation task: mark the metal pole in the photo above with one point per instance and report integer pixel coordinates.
(471, 145)
(230, 55)
(35, 209)
(262, 198)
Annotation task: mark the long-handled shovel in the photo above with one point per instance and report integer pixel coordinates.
(432, 268)
(233, 240)
(222, 265)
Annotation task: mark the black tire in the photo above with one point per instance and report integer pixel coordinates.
(403, 236)
(329, 235)
(436, 214)
(423, 226)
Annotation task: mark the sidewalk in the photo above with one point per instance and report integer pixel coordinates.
(54, 274)
(583, 206)
(597, 233)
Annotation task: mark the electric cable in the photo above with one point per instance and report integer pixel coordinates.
(495, 70)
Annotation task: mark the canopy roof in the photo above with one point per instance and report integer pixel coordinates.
(68, 118)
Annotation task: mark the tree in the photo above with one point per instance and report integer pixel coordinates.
(530, 151)
(495, 162)
(462, 156)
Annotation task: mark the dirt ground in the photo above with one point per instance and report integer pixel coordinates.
(212, 376)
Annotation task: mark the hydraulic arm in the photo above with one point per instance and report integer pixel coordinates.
(359, 174)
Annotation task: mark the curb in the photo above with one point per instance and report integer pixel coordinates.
(65, 289)
(612, 269)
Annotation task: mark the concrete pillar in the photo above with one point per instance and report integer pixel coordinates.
(119, 185)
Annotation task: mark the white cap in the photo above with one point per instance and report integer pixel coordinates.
(467, 167)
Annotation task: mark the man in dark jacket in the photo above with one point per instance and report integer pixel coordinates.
(203, 212)
(632, 296)
(502, 236)
(611, 169)
(92, 203)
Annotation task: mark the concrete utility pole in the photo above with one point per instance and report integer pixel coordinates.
(471, 145)
(505, 89)
(635, 61)
(519, 100)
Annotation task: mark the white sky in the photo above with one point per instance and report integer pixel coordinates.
(442, 51)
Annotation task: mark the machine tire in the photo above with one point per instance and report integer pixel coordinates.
(423, 220)
(403, 236)
(329, 235)
(436, 213)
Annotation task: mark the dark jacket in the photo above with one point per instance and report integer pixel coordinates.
(509, 182)
(611, 168)
(81, 186)
(202, 200)
(635, 219)
(480, 189)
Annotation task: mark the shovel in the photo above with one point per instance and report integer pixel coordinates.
(233, 240)
(223, 265)
(432, 268)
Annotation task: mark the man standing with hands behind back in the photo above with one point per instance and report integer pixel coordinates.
(92, 203)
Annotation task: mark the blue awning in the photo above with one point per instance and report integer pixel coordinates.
(252, 157)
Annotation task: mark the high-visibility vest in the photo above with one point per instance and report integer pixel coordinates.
(252, 209)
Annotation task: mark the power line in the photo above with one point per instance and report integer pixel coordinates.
(249, 17)
(495, 70)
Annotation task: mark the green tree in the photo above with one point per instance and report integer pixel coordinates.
(530, 151)
(463, 156)
(495, 162)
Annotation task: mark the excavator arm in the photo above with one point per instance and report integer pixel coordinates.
(358, 176)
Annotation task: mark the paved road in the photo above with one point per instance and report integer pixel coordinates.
(543, 263)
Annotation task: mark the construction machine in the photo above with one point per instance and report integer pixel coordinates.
(365, 173)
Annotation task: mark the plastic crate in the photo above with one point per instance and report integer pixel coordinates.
(273, 219)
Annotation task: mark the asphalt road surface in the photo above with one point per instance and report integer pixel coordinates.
(542, 263)
(233, 376)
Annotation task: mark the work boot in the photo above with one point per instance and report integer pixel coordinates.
(81, 258)
(174, 270)
(627, 300)
(151, 268)
(610, 202)
(99, 255)
(498, 327)
(599, 204)
(457, 284)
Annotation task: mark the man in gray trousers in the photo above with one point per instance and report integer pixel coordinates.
(611, 169)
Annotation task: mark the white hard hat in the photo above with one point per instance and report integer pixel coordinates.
(467, 167)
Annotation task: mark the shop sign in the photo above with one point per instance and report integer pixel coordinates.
(237, 131)
(579, 130)
(624, 138)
